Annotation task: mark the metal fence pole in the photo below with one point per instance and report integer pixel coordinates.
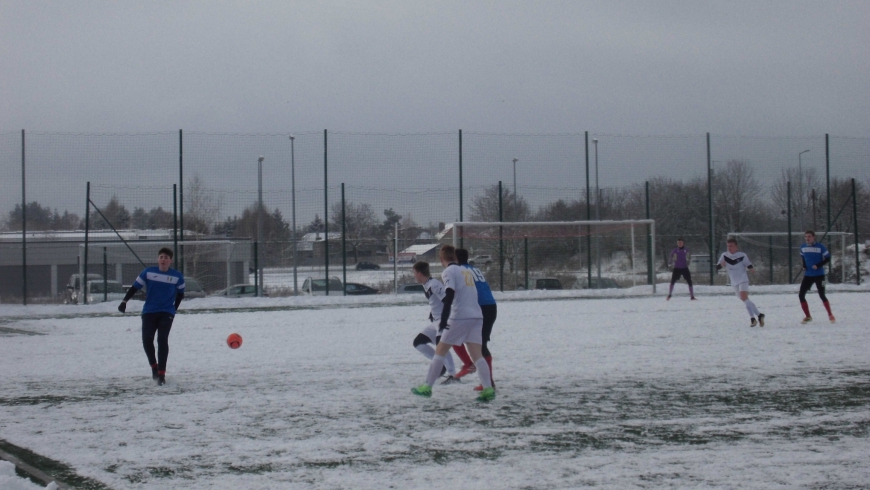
(175, 222)
(770, 256)
(588, 218)
(788, 205)
(343, 243)
(105, 275)
(710, 209)
(461, 239)
(83, 298)
(855, 220)
(649, 250)
(23, 225)
(179, 263)
(500, 240)
(325, 215)
(828, 177)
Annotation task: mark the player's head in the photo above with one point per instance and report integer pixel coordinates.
(447, 254)
(680, 242)
(461, 256)
(810, 236)
(421, 272)
(164, 258)
(732, 244)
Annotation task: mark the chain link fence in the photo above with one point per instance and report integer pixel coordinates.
(351, 205)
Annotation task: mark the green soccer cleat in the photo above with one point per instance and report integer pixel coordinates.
(487, 394)
(422, 390)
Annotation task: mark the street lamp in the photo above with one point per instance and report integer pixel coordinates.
(801, 190)
(597, 216)
(259, 224)
(293, 206)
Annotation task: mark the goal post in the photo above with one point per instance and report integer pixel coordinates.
(547, 248)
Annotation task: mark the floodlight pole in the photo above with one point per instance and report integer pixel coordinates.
(293, 206)
(259, 224)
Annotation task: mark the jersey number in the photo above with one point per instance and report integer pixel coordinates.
(469, 278)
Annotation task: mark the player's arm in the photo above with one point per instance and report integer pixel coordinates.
(178, 297)
(749, 266)
(826, 257)
(445, 313)
(721, 262)
(137, 285)
(803, 262)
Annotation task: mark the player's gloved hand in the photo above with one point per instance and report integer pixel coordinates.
(122, 307)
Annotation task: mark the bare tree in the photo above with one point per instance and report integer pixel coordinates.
(737, 197)
(360, 225)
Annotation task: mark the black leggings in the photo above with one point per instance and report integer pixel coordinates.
(160, 324)
(681, 272)
(490, 312)
(807, 283)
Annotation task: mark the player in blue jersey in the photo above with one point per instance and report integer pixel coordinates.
(487, 306)
(165, 288)
(814, 256)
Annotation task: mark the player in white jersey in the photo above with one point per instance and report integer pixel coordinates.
(461, 323)
(434, 291)
(737, 264)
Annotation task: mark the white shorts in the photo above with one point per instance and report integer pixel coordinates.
(431, 331)
(462, 331)
(738, 288)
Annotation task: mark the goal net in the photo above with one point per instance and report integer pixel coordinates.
(579, 254)
(208, 265)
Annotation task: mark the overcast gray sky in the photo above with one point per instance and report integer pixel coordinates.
(630, 67)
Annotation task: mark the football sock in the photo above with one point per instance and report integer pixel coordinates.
(691, 291)
(448, 363)
(751, 308)
(483, 373)
(427, 350)
(671, 291)
(806, 307)
(827, 307)
(462, 354)
(434, 369)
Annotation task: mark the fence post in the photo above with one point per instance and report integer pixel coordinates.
(175, 223)
(770, 256)
(83, 280)
(500, 240)
(710, 209)
(788, 206)
(179, 262)
(651, 273)
(325, 215)
(105, 275)
(23, 226)
(855, 220)
(256, 269)
(828, 177)
(343, 244)
(526, 257)
(461, 238)
(588, 218)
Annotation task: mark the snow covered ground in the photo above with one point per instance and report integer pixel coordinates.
(609, 389)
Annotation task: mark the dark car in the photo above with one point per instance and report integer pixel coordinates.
(192, 289)
(367, 266)
(356, 289)
(410, 288)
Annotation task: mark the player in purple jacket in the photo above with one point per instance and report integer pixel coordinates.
(679, 257)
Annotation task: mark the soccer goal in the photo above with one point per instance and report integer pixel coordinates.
(576, 254)
(208, 265)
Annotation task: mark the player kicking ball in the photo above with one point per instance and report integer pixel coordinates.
(814, 256)
(737, 264)
(434, 291)
(165, 288)
(461, 323)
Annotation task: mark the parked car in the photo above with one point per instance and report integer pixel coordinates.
(100, 291)
(192, 289)
(481, 260)
(239, 291)
(317, 287)
(71, 294)
(367, 266)
(410, 288)
(356, 289)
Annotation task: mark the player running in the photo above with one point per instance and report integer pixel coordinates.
(814, 256)
(737, 264)
(679, 257)
(434, 291)
(461, 322)
(487, 308)
(165, 288)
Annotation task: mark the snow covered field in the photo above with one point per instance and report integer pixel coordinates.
(624, 390)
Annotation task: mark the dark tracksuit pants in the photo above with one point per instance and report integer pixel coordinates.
(160, 324)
